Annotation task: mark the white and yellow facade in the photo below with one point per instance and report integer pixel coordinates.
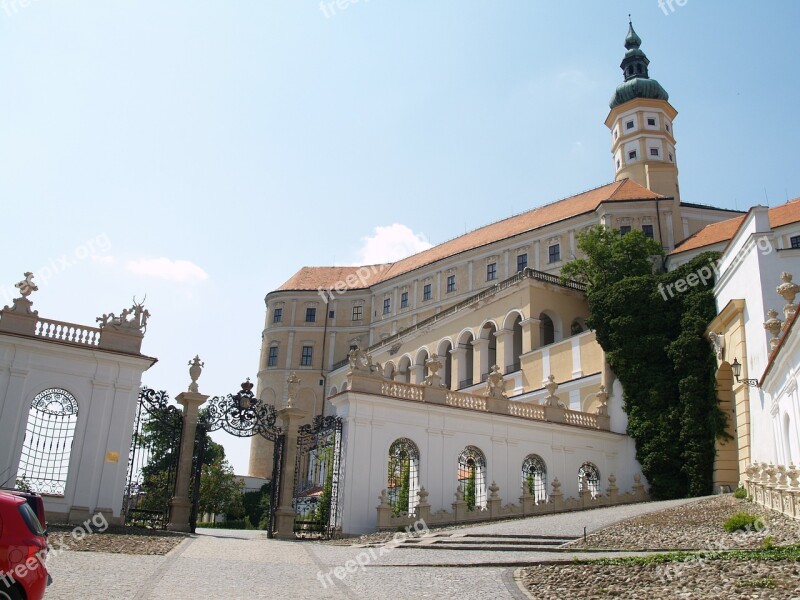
(467, 300)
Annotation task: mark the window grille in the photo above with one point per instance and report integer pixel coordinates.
(46, 451)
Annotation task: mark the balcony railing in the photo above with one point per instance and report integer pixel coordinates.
(512, 368)
(67, 332)
(488, 292)
(427, 394)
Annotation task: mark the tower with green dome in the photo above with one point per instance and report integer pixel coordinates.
(642, 133)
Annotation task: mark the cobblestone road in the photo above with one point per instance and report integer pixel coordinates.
(244, 564)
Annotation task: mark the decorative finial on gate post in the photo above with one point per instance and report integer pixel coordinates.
(294, 387)
(195, 370)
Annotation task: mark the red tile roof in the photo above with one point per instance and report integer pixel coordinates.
(725, 230)
(352, 278)
(312, 278)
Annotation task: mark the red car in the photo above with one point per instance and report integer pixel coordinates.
(23, 548)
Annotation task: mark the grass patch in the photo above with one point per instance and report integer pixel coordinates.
(743, 522)
(790, 553)
(764, 582)
(740, 494)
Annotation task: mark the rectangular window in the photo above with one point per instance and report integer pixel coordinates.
(623, 229)
(651, 122)
(629, 125)
(670, 157)
(358, 313)
(647, 230)
(794, 241)
(311, 315)
(404, 300)
(653, 151)
(522, 262)
(632, 155)
(426, 291)
(451, 283)
(272, 359)
(331, 314)
(277, 315)
(554, 253)
(387, 306)
(491, 271)
(307, 356)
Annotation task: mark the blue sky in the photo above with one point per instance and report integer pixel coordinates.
(201, 152)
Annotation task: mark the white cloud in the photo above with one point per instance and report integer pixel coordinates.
(390, 243)
(178, 271)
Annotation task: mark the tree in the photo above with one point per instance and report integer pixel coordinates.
(655, 346)
(220, 489)
(256, 506)
(470, 488)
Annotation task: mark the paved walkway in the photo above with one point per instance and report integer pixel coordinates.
(244, 564)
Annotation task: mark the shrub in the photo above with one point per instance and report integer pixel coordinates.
(767, 543)
(743, 522)
(740, 493)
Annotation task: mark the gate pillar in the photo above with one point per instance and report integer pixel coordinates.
(284, 514)
(180, 507)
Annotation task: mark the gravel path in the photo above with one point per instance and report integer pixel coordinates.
(244, 565)
(696, 526)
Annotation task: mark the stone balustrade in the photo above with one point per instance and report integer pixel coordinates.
(494, 509)
(67, 332)
(774, 487)
(371, 383)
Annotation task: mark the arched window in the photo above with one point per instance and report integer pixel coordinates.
(547, 329)
(578, 326)
(472, 477)
(44, 463)
(591, 474)
(403, 483)
(534, 477)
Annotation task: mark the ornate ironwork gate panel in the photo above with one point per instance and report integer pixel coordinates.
(153, 460)
(316, 477)
(244, 415)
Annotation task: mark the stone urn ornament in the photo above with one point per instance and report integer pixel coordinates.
(195, 370)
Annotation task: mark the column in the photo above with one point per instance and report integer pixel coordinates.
(284, 514)
(531, 334)
(480, 359)
(536, 262)
(670, 232)
(332, 349)
(573, 250)
(505, 349)
(469, 274)
(458, 367)
(418, 374)
(180, 507)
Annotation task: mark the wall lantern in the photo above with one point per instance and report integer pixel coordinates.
(736, 367)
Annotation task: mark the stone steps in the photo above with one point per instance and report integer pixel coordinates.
(489, 542)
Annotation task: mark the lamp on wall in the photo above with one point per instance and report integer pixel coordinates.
(736, 367)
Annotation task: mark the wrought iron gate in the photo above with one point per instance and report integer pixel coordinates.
(244, 415)
(316, 477)
(153, 460)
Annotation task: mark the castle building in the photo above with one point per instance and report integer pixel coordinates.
(469, 301)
